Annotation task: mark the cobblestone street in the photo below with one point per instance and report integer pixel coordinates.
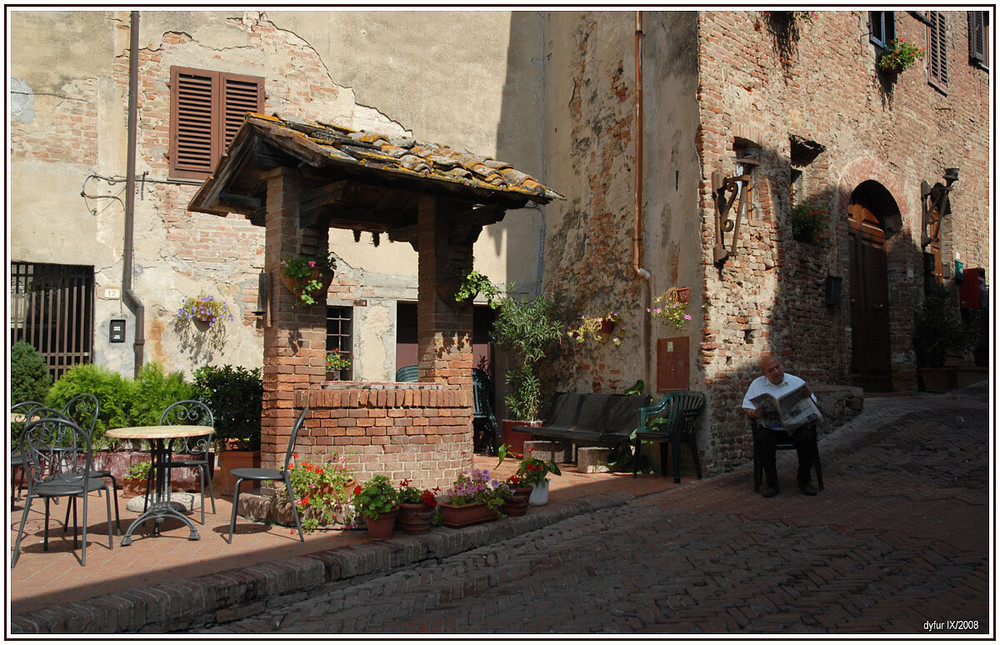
(897, 543)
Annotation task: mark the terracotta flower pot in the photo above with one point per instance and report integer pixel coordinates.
(515, 440)
(381, 527)
(467, 514)
(325, 277)
(519, 504)
(415, 518)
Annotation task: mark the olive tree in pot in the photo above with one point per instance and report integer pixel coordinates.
(525, 329)
(235, 396)
(937, 332)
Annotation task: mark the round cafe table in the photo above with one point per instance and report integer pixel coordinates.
(161, 438)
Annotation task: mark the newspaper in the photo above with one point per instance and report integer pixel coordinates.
(791, 411)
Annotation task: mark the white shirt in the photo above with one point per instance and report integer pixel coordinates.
(761, 385)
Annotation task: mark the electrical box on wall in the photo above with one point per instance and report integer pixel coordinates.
(116, 331)
(672, 364)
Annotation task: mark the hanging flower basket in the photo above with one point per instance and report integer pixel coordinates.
(307, 277)
(205, 309)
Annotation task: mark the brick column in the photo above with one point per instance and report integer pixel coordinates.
(294, 336)
(444, 330)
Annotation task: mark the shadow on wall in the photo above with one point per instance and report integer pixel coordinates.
(202, 343)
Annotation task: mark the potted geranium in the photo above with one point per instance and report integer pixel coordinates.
(134, 480)
(204, 308)
(377, 501)
(534, 472)
(671, 307)
(416, 507)
(474, 497)
(336, 362)
(808, 222)
(899, 55)
(307, 276)
(322, 491)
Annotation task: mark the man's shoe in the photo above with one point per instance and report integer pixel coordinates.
(807, 489)
(770, 491)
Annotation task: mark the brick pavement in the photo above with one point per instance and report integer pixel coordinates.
(888, 542)
(898, 543)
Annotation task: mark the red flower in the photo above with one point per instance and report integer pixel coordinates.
(357, 489)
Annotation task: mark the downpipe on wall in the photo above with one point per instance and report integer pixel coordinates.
(129, 250)
(638, 223)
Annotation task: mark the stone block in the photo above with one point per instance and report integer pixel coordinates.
(592, 459)
(557, 451)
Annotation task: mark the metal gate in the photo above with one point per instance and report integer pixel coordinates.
(52, 308)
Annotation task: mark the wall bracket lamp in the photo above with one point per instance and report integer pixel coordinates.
(935, 205)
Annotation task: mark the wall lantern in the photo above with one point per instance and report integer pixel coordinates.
(725, 192)
(935, 203)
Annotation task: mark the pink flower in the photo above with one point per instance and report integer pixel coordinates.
(312, 264)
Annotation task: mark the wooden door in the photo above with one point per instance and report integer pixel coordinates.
(871, 362)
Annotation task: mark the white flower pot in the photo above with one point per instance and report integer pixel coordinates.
(539, 494)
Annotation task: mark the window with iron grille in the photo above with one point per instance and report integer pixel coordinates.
(979, 36)
(882, 27)
(52, 309)
(206, 110)
(937, 67)
(339, 333)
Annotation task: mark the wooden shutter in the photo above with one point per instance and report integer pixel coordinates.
(977, 37)
(207, 109)
(938, 67)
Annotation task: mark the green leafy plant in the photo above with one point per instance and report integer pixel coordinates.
(669, 309)
(477, 487)
(809, 223)
(338, 360)
(235, 396)
(138, 470)
(304, 272)
(321, 490)
(375, 497)
(900, 55)
(597, 326)
(938, 328)
(476, 283)
(530, 470)
(29, 374)
(204, 308)
(409, 494)
(526, 329)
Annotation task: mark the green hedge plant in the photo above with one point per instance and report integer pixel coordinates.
(235, 396)
(29, 374)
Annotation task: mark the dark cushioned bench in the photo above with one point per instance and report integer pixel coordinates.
(588, 418)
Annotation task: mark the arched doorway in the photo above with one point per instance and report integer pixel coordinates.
(874, 217)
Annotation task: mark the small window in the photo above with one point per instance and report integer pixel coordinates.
(979, 36)
(882, 27)
(339, 327)
(937, 68)
(206, 110)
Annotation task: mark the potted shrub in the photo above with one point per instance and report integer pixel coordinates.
(809, 223)
(525, 329)
(308, 276)
(474, 498)
(376, 500)
(235, 396)
(416, 508)
(134, 480)
(937, 331)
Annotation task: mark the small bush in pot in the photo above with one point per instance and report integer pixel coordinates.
(235, 396)
(375, 497)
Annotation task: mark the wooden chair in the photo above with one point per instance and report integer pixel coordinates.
(758, 457)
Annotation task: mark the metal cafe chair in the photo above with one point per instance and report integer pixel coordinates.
(55, 440)
(19, 415)
(269, 474)
(196, 449)
(84, 410)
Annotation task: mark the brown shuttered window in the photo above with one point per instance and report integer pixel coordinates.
(978, 37)
(206, 110)
(937, 68)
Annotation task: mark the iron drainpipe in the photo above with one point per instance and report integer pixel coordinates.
(128, 257)
(637, 230)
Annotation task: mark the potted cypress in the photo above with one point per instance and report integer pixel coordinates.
(937, 332)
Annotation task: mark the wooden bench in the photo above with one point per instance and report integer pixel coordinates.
(591, 419)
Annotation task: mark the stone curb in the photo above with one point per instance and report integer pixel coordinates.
(239, 593)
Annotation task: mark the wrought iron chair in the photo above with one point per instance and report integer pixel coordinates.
(189, 413)
(19, 415)
(680, 410)
(758, 457)
(84, 410)
(52, 440)
(407, 374)
(269, 474)
(482, 411)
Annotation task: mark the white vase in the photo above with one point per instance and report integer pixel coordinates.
(539, 494)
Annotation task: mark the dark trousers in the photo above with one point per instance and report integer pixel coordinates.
(803, 439)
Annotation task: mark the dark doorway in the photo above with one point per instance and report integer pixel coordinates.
(871, 361)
